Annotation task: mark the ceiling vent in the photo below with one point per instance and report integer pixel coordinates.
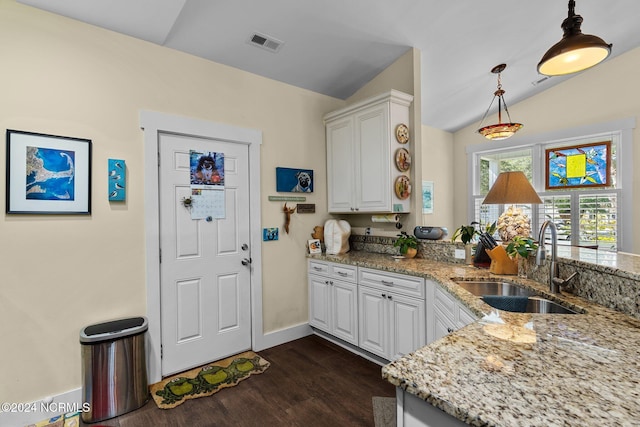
(543, 79)
(265, 42)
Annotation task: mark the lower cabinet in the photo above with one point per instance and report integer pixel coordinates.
(387, 314)
(390, 324)
(445, 313)
(333, 302)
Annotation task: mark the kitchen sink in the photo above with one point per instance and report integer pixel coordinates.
(489, 287)
(512, 297)
(524, 304)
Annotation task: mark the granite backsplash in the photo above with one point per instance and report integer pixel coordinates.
(606, 278)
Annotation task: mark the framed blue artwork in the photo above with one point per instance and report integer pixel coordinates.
(117, 180)
(48, 174)
(290, 180)
(586, 165)
(269, 234)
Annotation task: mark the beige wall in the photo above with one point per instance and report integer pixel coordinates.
(607, 92)
(437, 166)
(60, 273)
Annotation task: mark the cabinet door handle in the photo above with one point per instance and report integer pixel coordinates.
(384, 282)
(384, 295)
(450, 330)
(389, 297)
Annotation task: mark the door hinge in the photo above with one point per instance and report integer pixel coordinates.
(161, 351)
(160, 255)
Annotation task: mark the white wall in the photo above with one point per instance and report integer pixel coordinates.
(60, 273)
(607, 92)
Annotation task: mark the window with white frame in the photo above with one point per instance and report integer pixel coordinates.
(585, 216)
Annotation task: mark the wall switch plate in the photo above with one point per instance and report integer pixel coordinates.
(459, 254)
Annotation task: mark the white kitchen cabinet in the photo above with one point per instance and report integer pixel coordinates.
(391, 313)
(361, 147)
(445, 313)
(333, 299)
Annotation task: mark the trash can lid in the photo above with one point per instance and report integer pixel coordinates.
(113, 329)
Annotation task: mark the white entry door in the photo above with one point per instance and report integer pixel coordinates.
(205, 264)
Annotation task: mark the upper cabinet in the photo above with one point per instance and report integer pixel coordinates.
(368, 156)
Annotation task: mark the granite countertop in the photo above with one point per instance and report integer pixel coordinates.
(516, 369)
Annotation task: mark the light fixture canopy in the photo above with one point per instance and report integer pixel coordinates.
(576, 51)
(499, 130)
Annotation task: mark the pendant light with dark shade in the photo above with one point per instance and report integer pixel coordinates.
(576, 51)
(499, 130)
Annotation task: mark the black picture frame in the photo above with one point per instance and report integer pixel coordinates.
(47, 174)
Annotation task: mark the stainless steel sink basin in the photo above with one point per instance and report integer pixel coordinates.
(524, 304)
(512, 297)
(482, 287)
(541, 305)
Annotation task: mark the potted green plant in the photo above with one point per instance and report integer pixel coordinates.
(523, 246)
(407, 243)
(466, 233)
(520, 248)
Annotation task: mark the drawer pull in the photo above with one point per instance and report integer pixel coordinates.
(316, 268)
(384, 282)
(342, 273)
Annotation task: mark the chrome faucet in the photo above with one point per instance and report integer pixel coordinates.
(554, 280)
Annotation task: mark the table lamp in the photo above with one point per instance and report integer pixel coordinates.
(512, 188)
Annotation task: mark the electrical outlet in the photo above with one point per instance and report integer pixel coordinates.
(459, 254)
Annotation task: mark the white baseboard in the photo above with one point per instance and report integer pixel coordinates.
(23, 414)
(282, 336)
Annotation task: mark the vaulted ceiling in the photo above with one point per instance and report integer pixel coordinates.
(334, 47)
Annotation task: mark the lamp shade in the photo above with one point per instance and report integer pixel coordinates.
(511, 188)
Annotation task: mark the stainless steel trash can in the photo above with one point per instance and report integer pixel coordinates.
(114, 368)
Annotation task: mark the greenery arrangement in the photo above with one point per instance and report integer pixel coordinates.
(466, 232)
(522, 246)
(406, 241)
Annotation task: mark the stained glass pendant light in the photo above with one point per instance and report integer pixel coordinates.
(499, 130)
(576, 51)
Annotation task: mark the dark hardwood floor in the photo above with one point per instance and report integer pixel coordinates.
(311, 382)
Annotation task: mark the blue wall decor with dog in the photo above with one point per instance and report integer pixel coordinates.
(290, 180)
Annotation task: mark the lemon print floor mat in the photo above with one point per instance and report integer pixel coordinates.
(206, 380)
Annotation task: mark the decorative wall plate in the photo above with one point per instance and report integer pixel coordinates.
(403, 187)
(402, 133)
(403, 159)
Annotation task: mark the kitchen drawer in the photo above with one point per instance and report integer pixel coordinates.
(348, 273)
(319, 267)
(406, 285)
